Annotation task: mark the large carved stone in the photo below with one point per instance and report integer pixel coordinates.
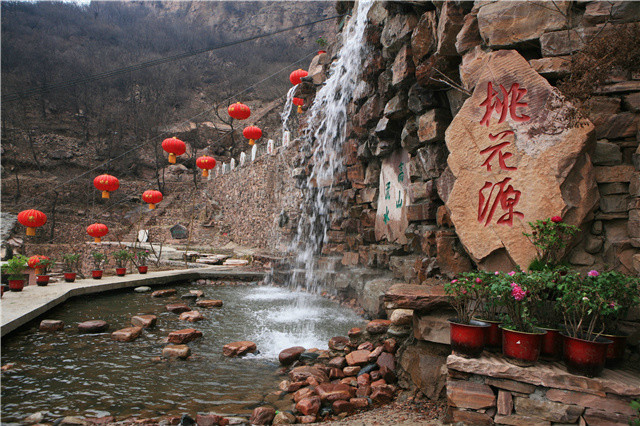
(516, 161)
(393, 198)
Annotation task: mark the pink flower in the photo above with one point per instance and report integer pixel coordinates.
(585, 299)
(556, 219)
(517, 292)
(612, 304)
(496, 273)
(454, 281)
(593, 273)
(464, 291)
(512, 273)
(478, 280)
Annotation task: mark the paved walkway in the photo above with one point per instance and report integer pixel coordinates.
(18, 308)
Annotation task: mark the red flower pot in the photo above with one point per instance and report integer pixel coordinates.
(121, 272)
(16, 285)
(96, 275)
(615, 350)
(521, 348)
(551, 344)
(42, 280)
(468, 339)
(585, 357)
(69, 277)
(143, 269)
(493, 334)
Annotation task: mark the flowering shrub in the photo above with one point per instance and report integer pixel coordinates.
(550, 237)
(515, 289)
(141, 257)
(620, 293)
(466, 292)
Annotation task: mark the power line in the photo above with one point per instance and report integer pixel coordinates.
(120, 71)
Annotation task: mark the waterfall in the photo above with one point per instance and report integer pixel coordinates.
(324, 138)
(286, 112)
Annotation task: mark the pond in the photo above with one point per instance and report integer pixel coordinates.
(69, 373)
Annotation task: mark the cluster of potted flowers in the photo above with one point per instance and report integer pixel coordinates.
(549, 311)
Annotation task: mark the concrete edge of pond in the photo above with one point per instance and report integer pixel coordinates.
(18, 308)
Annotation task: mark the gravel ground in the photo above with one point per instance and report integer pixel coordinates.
(423, 413)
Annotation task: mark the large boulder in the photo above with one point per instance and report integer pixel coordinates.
(517, 155)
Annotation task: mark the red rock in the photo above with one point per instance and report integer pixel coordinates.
(416, 297)
(144, 321)
(516, 420)
(164, 293)
(100, 420)
(303, 393)
(238, 348)
(612, 404)
(294, 386)
(176, 351)
(209, 303)
(211, 420)
(375, 375)
(309, 406)
(386, 360)
(349, 381)
(262, 416)
(338, 343)
(184, 336)
(312, 381)
(605, 417)
(329, 392)
(128, 334)
(363, 391)
(177, 308)
(373, 356)
(94, 326)
(191, 316)
(381, 395)
(378, 326)
(367, 346)
(51, 325)
(464, 394)
(552, 411)
(342, 406)
(198, 293)
(388, 375)
(364, 380)
(290, 355)
(354, 333)
(378, 383)
(455, 415)
(351, 371)
(336, 373)
(359, 357)
(359, 402)
(338, 362)
(300, 374)
(306, 419)
(504, 403)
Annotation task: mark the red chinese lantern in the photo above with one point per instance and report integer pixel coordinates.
(295, 76)
(174, 147)
(97, 231)
(106, 184)
(299, 102)
(206, 163)
(152, 197)
(252, 133)
(239, 111)
(32, 219)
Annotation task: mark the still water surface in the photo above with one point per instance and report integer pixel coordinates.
(68, 373)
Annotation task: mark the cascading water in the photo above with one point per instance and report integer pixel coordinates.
(286, 112)
(324, 139)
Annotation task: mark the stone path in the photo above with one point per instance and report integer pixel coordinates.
(18, 308)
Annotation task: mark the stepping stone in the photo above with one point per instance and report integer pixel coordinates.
(176, 351)
(290, 355)
(164, 293)
(209, 303)
(51, 325)
(128, 334)
(238, 348)
(93, 326)
(177, 308)
(184, 336)
(189, 296)
(144, 321)
(191, 316)
(198, 293)
(142, 289)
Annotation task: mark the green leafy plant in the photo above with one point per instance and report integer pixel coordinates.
(99, 259)
(466, 292)
(622, 293)
(122, 257)
(71, 262)
(15, 267)
(321, 42)
(141, 257)
(491, 305)
(550, 237)
(516, 290)
(635, 404)
(543, 285)
(45, 264)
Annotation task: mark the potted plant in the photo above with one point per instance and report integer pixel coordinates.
(490, 310)
(71, 266)
(141, 260)
(545, 310)
(549, 236)
(467, 334)
(122, 257)
(521, 341)
(322, 43)
(98, 261)
(582, 307)
(15, 268)
(44, 264)
(622, 293)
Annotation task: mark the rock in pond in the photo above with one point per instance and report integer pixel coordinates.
(93, 326)
(128, 334)
(238, 348)
(359, 357)
(338, 343)
(262, 416)
(290, 355)
(164, 293)
(176, 351)
(189, 297)
(177, 308)
(51, 325)
(329, 392)
(184, 336)
(302, 373)
(209, 303)
(309, 406)
(144, 321)
(142, 289)
(284, 418)
(211, 420)
(198, 293)
(191, 316)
